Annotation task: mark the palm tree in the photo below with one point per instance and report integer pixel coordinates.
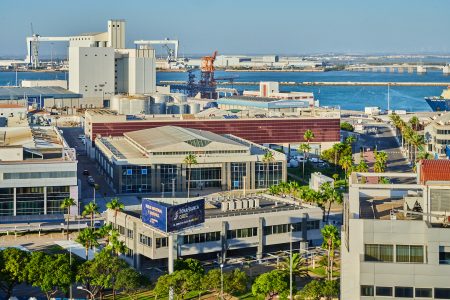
(106, 231)
(381, 156)
(304, 148)
(417, 141)
(362, 167)
(267, 159)
(424, 155)
(88, 238)
(274, 189)
(331, 241)
(346, 163)
(299, 266)
(91, 209)
(331, 195)
(293, 188)
(308, 136)
(117, 206)
(414, 121)
(66, 204)
(189, 160)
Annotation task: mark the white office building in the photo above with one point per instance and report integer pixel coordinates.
(395, 240)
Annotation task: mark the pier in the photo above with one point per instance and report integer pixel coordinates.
(325, 83)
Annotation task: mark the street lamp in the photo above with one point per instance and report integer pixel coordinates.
(221, 281)
(88, 291)
(290, 262)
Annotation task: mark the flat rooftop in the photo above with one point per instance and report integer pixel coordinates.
(17, 93)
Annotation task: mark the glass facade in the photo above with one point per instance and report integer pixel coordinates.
(205, 178)
(238, 170)
(55, 196)
(38, 175)
(7, 202)
(268, 174)
(169, 176)
(30, 200)
(201, 237)
(136, 179)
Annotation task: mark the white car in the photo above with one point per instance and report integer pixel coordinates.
(315, 160)
(300, 158)
(81, 136)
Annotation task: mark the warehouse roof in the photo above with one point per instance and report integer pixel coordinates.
(15, 93)
(434, 170)
(172, 138)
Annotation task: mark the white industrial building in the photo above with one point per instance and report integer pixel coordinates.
(101, 66)
(395, 237)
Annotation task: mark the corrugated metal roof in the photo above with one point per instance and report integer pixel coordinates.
(434, 170)
(14, 93)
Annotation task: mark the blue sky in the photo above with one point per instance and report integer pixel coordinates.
(241, 27)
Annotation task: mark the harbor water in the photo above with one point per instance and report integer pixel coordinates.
(347, 97)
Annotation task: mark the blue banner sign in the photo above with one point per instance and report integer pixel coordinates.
(154, 214)
(175, 217)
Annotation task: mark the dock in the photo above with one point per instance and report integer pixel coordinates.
(326, 83)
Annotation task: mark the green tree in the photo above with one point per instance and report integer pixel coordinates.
(51, 273)
(267, 159)
(299, 266)
(347, 126)
(212, 280)
(88, 238)
(131, 282)
(181, 282)
(305, 148)
(331, 241)
(415, 122)
(308, 136)
(116, 206)
(91, 209)
(331, 195)
(417, 142)
(12, 265)
(105, 232)
(189, 160)
(274, 189)
(312, 290)
(364, 168)
(346, 163)
(271, 284)
(67, 203)
(189, 264)
(424, 155)
(235, 282)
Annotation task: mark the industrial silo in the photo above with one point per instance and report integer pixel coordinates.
(194, 108)
(159, 104)
(179, 98)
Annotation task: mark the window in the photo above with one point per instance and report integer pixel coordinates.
(242, 233)
(39, 175)
(313, 225)
(367, 290)
(201, 237)
(404, 292)
(384, 291)
(424, 293)
(375, 252)
(121, 229)
(130, 233)
(145, 240)
(409, 254)
(444, 255)
(161, 242)
(441, 293)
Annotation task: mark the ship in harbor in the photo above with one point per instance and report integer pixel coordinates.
(440, 103)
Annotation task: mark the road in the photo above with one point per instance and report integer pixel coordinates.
(104, 193)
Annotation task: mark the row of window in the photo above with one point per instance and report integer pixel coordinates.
(242, 233)
(147, 241)
(404, 292)
(201, 237)
(443, 131)
(198, 152)
(38, 175)
(385, 253)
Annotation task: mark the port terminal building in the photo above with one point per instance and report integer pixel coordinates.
(38, 170)
(396, 237)
(152, 160)
(253, 225)
(261, 128)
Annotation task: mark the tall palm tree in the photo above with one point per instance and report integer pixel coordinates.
(88, 238)
(267, 159)
(91, 209)
(381, 156)
(346, 163)
(299, 266)
(331, 195)
(305, 148)
(331, 241)
(293, 188)
(117, 206)
(415, 122)
(362, 167)
(417, 141)
(106, 231)
(66, 204)
(308, 136)
(189, 160)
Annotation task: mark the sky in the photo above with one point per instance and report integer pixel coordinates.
(240, 26)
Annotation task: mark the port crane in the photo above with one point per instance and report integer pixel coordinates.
(33, 42)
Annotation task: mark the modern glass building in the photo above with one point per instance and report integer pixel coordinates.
(153, 160)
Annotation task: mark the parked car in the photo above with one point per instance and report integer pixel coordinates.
(97, 224)
(315, 160)
(81, 136)
(85, 172)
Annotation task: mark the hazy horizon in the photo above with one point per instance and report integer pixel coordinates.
(251, 27)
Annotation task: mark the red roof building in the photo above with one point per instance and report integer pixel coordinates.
(434, 170)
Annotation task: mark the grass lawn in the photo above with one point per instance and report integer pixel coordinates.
(320, 271)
